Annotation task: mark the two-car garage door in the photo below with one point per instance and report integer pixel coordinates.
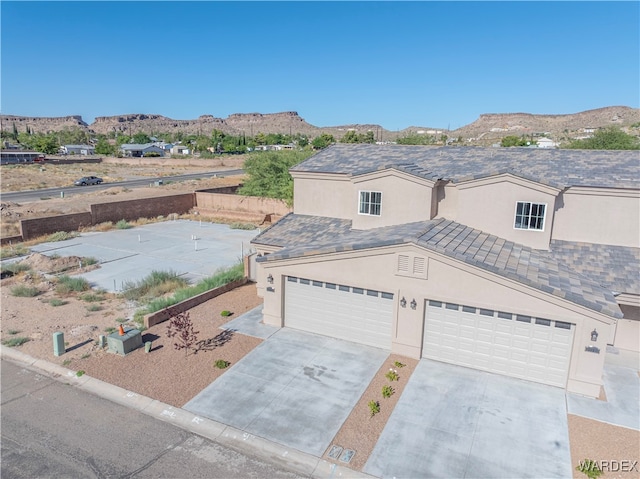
(514, 345)
(356, 314)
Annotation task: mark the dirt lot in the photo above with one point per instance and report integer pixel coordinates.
(23, 177)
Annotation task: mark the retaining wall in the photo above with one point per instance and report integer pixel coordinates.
(213, 202)
(165, 314)
(131, 210)
(34, 227)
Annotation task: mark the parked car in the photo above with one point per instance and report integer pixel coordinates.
(88, 180)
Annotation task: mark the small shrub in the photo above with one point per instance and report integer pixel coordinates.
(66, 362)
(85, 356)
(57, 302)
(80, 373)
(68, 284)
(398, 364)
(61, 236)
(121, 320)
(387, 391)
(589, 468)
(242, 226)
(392, 375)
(91, 297)
(14, 268)
(154, 285)
(17, 341)
(181, 328)
(24, 291)
(123, 225)
(13, 251)
(110, 330)
(13, 331)
(225, 313)
(94, 307)
(222, 364)
(374, 407)
(88, 261)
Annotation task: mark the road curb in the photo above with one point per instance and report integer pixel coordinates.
(296, 461)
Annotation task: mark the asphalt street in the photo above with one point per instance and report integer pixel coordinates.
(52, 429)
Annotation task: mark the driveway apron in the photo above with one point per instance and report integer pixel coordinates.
(457, 422)
(296, 389)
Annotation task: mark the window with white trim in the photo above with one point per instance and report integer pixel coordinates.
(530, 216)
(370, 203)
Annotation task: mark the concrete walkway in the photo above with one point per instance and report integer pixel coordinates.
(457, 422)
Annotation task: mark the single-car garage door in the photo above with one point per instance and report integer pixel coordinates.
(520, 346)
(360, 315)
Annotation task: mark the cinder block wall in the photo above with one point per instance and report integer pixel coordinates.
(34, 227)
(143, 208)
(253, 204)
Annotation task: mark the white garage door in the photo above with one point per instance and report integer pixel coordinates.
(514, 345)
(360, 315)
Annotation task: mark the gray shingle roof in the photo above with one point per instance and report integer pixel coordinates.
(302, 235)
(559, 168)
(615, 267)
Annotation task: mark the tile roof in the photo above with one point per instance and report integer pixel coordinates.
(302, 235)
(559, 168)
(615, 267)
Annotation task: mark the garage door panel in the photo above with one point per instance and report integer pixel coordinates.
(342, 312)
(526, 348)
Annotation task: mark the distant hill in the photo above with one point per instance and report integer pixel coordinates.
(488, 129)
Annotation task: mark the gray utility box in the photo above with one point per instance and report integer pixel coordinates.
(123, 345)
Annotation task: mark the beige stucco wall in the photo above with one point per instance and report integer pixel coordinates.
(598, 215)
(323, 195)
(627, 331)
(447, 280)
(489, 204)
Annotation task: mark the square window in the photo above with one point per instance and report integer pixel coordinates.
(529, 216)
(370, 203)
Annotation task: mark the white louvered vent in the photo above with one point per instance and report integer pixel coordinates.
(419, 266)
(403, 263)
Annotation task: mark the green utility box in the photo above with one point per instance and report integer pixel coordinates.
(123, 345)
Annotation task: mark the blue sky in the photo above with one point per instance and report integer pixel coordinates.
(396, 64)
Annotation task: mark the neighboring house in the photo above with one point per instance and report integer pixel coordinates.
(13, 155)
(139, 150)
(546, 143)
(180, 150)
(523, 262)
(78, 150)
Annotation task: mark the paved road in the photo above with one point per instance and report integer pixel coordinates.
(51, 429)
(35, 195)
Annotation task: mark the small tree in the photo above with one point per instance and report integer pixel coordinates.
(181, 328)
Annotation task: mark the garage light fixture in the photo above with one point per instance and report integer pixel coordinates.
(413, 303)
(594, 335)
(403, 302)
(270, 279)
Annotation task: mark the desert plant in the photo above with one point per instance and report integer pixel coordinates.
(123, 225)
(67, 284)
(225, 313)
(94, 307)
(24, 291)
(155, 284)
(61, 236)
(181, 328)
(92, 298)
(57, 302)
(110, 330)
(387, 391)
(13, 331)
(13, 251)
(88, 261)
(15, 268)
(242, 226)
(16, 341)
(374, 407)
(398, 364)
(392, 375)
(80, 373)
(590, 468)
(222, 364)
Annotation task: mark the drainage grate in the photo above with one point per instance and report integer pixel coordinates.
(334, 452)
(347, 455)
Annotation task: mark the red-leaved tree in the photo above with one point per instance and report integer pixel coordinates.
(181, 328)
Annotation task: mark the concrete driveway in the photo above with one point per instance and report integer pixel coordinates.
(131, 254)
(296, 389)
(455, 422)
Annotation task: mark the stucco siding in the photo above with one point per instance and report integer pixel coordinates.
(328, 197)
(599, 216)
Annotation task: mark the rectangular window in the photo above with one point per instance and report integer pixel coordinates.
(370, 203)
(529, 216)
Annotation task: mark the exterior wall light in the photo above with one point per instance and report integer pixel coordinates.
(403, 302)
(594, 335)
(270, 279)
(413, 303)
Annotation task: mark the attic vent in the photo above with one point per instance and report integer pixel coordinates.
(412, 266)
(419, 266)
(403, 263)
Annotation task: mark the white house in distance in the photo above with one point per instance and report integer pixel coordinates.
(519, 261)
(78, 150)
(139, 150)
(546, 143)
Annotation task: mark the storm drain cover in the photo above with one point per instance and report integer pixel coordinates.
(334, 452)
(347, 455)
